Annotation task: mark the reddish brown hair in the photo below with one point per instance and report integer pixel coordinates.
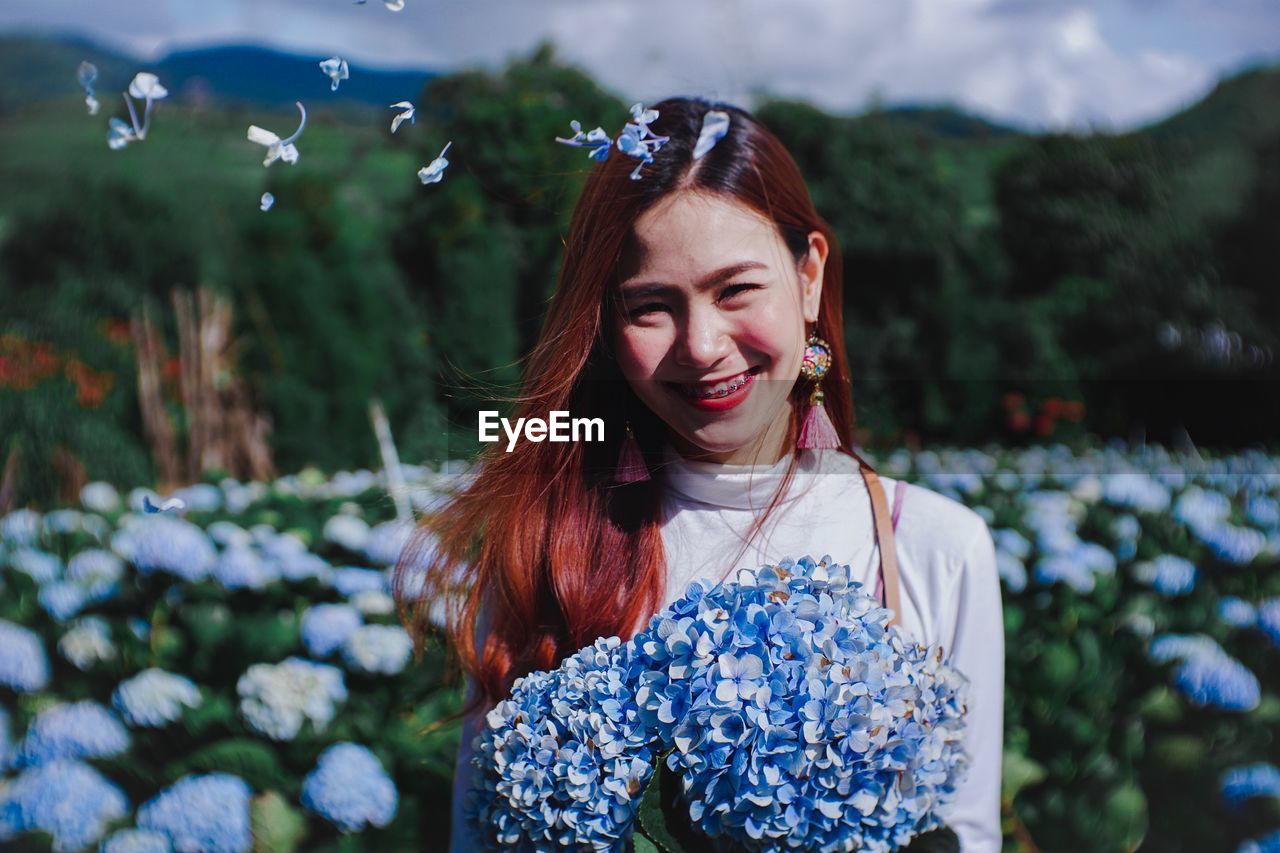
(541, 541)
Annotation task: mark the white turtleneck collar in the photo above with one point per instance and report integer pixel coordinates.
(738, 486)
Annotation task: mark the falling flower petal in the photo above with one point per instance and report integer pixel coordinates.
(407, 114)
(267, 200)
(394, 5)
(171, 503)
(433, 172)
(597, 140)
(715, 124)
(336, 69)
(147, 87)
(87, 74)
(277, 148)
(119, 134)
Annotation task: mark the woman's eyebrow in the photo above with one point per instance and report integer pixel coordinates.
(650, 288)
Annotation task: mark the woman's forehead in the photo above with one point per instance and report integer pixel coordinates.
(694, 235)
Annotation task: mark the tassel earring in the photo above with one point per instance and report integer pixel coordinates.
(631, 467)
(817, 432)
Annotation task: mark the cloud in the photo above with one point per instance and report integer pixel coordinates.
(1037, 64)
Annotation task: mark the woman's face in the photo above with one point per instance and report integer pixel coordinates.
(713, 302)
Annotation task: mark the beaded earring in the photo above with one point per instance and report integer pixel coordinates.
(817, 432)
(631, 467)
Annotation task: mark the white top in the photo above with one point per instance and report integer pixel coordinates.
(949, 586)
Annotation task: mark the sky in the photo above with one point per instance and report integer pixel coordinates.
(1038, 64)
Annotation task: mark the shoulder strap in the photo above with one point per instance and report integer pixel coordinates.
(884, 538)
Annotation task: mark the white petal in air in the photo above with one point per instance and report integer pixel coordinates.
(336, 69)
(407, 114)
(262, 136)
(394, 5)
(147, 87)
(87, 74)
(92, 103)
(266, 201)
(171, 503)
(119, 134)
(715, 124)
(433, 172)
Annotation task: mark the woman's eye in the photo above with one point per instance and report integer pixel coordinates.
(735, 289)
(642, 310)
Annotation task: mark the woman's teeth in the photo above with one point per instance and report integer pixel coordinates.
(720, 389)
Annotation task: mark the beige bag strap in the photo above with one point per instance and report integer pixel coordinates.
(884, 538)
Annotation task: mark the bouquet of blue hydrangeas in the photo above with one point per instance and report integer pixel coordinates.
(774, 711)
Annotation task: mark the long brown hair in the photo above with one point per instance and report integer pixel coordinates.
(544, 545)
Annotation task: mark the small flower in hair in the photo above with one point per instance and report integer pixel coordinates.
(406, 114)
(715, 124)
(433, 172)
(277, 148)
(87, 74)
(638, 141)
(337, 70)
(597, 140)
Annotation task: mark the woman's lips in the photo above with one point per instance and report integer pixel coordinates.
(717, 397)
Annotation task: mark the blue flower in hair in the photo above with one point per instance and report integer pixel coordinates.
(597, 140)
(638, 140)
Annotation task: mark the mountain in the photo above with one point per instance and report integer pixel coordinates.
(35, 69)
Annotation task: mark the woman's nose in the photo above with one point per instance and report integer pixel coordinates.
(704, 340)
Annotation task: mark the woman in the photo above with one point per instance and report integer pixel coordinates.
(685, 303)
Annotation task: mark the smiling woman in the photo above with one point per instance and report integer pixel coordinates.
(698, 313)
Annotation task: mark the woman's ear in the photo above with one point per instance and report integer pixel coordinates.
(812, 267)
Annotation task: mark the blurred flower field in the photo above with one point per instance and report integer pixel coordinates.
(232, 676)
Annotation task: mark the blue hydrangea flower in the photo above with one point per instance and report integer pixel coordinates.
(1012, 542)
(1207, 675)
(776, 690)
(326, 627)
(349, 531)
(62, 599)
(69, 800)
(136, 841)
(24, 665)
(1065, 569)
(1012, 571)
(97, 570)
(1252, 780)
(1263, 510)
(350, 788)
(100, 497)
(160, 543)
(276, 699)
(63, 521)
(386, 541)
(1137, 491)
(41, 566)
(1237, 612)
(349, 580)
(87, 642)
(72, 730)
(1268, 619)
(1169, 574)
(155, 698)
(1232, 544)
(20, 527)
(381, 649)
(242, 568)
(206, 812)
(200, 497)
